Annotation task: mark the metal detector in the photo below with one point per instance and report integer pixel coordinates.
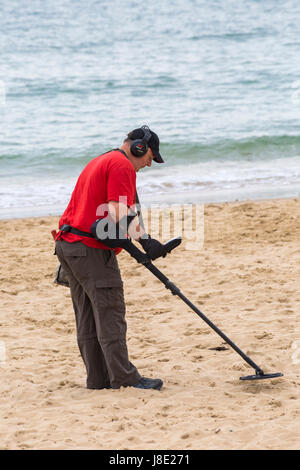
(169, 246)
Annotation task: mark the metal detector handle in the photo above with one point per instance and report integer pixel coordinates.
(141, 257)
(137, 254)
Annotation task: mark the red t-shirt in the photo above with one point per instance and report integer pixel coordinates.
(109, 177)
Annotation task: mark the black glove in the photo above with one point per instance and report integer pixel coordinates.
(153, 248)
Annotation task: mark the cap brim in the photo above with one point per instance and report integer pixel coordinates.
(157, 157)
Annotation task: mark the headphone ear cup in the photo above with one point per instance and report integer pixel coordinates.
(139, 148)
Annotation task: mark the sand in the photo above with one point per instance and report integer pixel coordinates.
(245, 278)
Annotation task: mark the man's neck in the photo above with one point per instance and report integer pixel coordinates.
(126, 150)
(122, 151)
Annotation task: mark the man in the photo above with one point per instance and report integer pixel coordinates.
(91, 266)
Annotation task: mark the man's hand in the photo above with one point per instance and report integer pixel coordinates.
(153, 248)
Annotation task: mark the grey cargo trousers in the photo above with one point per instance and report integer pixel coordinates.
(98, 301)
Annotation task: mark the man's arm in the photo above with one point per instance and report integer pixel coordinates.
(118, 210)
(153, 248)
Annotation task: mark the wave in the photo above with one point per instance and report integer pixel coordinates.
(250, 149)
(261, 148)
(237, 166)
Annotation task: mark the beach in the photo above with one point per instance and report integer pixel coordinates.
(218, 82)
(245, 278)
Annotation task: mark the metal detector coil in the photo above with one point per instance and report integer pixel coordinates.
(261, 376)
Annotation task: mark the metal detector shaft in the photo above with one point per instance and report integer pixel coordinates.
(142, 258)
(175, 291)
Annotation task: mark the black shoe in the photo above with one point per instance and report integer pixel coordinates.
(144, 382)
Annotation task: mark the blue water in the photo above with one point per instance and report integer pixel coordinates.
(219, 82)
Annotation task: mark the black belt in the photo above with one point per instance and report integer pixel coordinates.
(69, 229)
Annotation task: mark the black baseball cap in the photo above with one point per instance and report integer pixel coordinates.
(153, 142)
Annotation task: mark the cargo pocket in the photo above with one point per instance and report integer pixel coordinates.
(110, 304)
(61, 276)
(74, 249)
(109, 283)
(109, 292)
(74, 257)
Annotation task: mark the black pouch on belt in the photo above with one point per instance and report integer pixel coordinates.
(60, 276)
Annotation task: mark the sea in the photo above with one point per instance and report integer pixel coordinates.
(218, 81)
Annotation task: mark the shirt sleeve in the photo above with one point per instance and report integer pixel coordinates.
(121, 184)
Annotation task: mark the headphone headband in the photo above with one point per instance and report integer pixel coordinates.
(147, 134)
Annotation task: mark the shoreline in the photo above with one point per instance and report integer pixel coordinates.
(244, 278)
(249, 194)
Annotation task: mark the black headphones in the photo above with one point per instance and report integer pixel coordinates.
(139, 147)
